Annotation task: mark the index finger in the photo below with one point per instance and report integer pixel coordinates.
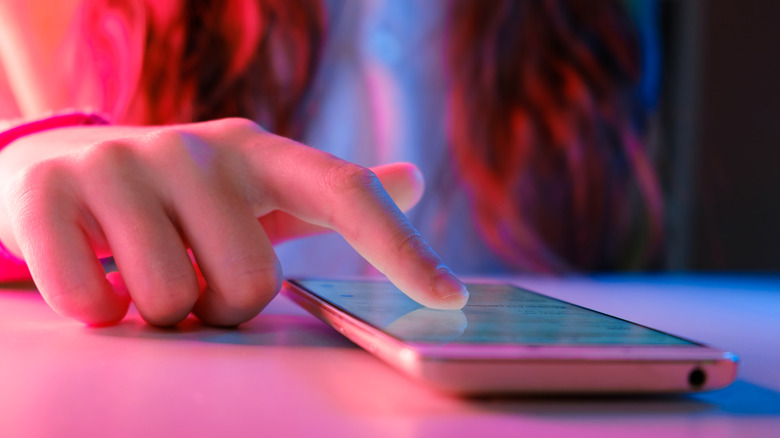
(327, 191)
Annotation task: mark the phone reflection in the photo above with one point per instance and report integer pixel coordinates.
(429, 325)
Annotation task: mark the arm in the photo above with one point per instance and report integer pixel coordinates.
(28, 61)
(13, 268)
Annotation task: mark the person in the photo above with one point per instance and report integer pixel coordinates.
(532, 140)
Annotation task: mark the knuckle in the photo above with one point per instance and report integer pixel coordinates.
(111, 167)
(108, 155)
(170, 152)
(38, 186)
(238, 124)
(411, 245)
(47, 174)
(410, 241)
(108, 163)
(345, 186)
(345, 178)
(173, 135)
(168, 144)
(229, 131)
(175, 153)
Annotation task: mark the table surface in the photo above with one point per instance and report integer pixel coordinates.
(287, 374)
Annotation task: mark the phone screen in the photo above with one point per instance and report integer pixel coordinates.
(495, 314)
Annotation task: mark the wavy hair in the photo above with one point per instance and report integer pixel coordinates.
(544, 133)
(205, 59)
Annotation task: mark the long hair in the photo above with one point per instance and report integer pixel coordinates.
(544, 130)
(211, 59)
(542, 124)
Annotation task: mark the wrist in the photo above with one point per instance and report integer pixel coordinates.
(13, 267)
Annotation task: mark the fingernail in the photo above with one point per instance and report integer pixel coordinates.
(447, 286)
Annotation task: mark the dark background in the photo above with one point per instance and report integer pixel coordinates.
(719, 134)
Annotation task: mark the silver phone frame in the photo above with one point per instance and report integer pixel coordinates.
(493, 369)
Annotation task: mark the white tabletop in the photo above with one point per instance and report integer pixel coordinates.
(287, 374)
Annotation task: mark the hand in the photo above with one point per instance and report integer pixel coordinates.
(225, 190)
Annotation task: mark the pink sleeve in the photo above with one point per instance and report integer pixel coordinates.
(12, 268)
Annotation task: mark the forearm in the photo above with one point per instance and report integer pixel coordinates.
(29, 61)
(12, 268)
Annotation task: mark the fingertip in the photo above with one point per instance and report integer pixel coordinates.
(444, 291)
(404, 182)
(109, 309)
(454, 303)
(450, 292)
(116, 304)
(416, 175)
(117, 283)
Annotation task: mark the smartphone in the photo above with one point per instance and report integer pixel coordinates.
(510, 340)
